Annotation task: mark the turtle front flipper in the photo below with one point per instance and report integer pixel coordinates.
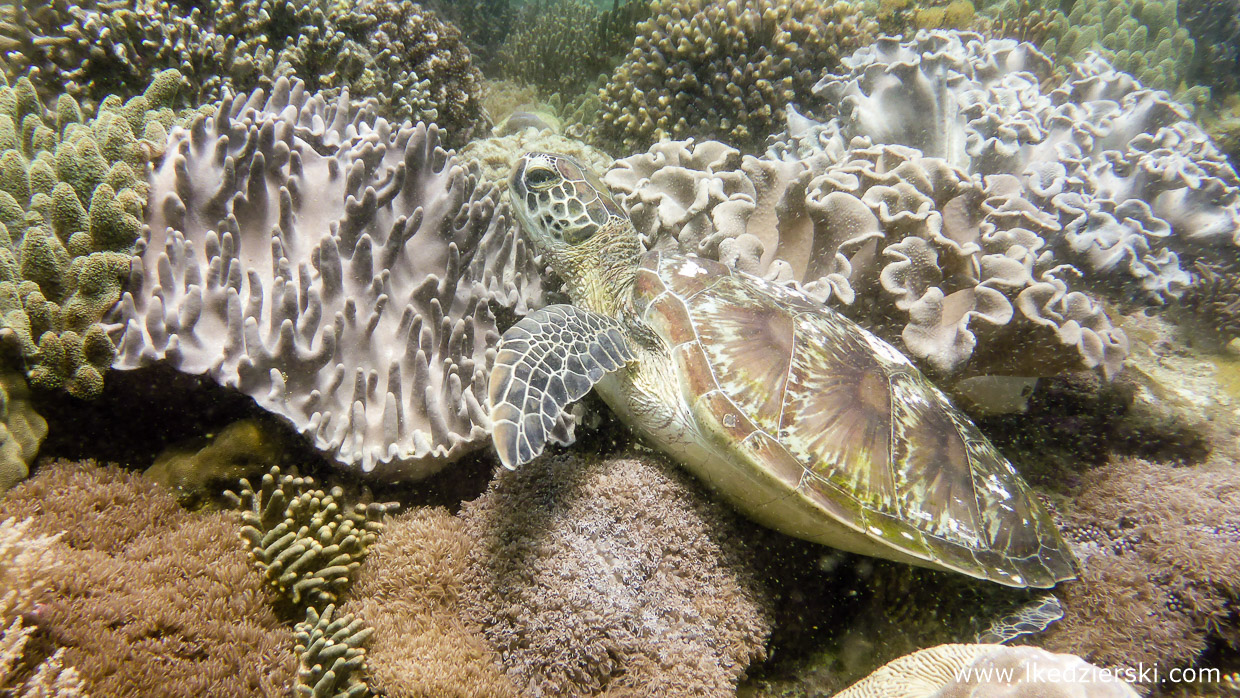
(547, 361)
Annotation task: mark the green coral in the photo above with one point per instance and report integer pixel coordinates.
(306, 541)
(331, 655)
(71, 209)
(21, 430)
(1141, 37)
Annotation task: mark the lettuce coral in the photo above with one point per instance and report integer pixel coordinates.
(344, 271)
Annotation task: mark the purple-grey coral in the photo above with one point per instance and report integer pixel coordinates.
(711, 68)
(343, 271)
(590, 575)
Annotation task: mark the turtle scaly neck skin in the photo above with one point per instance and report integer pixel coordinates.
(599, 272)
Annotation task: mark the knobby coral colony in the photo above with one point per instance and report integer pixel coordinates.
(415, 65)
(341, 270)
(1004, 224)
(72, 190)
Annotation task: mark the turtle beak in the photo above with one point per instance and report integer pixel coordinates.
(514, 179)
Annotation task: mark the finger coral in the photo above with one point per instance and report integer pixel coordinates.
(726, 70)
(589, 575)
(306, 541)
(149, 599)
(72, 191)
(343, 271)
(557, 46)
(332, 657)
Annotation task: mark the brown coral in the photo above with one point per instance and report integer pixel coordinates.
(726, 70)
(1160, 579)
(150, 599)
(592, 576)
(412, 45)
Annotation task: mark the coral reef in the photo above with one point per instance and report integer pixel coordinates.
(589, 574)
(148, 599)
(1215, 28)
(415, 52)
(409, 590)
(241, 449)
(22, 429)
(401, 54)
(1160, 582)
(484, 24)
(342, 271)
(26, 562)
(989, 671)
(72, 191)
(306, 541)
(710, 68)
(331, 655)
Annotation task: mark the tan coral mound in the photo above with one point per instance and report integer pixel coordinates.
(149, 599)
(408, 590)
(613, 577)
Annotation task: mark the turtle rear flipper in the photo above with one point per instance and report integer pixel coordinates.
(547, 361)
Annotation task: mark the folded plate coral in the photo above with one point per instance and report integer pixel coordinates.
(343, 271)
(955, 202)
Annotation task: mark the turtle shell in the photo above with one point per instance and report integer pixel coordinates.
(869, 456)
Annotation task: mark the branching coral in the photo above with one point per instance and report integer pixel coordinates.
(720, 69)
(412, 63)
(589, 574)
(72, 192)
(416, 52)
(342, 271)
(331, 655)
(555, 46)
(147, 598)
(1160, 579)
(306, 541)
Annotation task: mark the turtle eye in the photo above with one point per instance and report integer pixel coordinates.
(540, 178)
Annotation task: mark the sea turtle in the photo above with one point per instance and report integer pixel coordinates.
(801, 419)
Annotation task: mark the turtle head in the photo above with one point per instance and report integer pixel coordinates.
(572, 220)
(561, 203)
